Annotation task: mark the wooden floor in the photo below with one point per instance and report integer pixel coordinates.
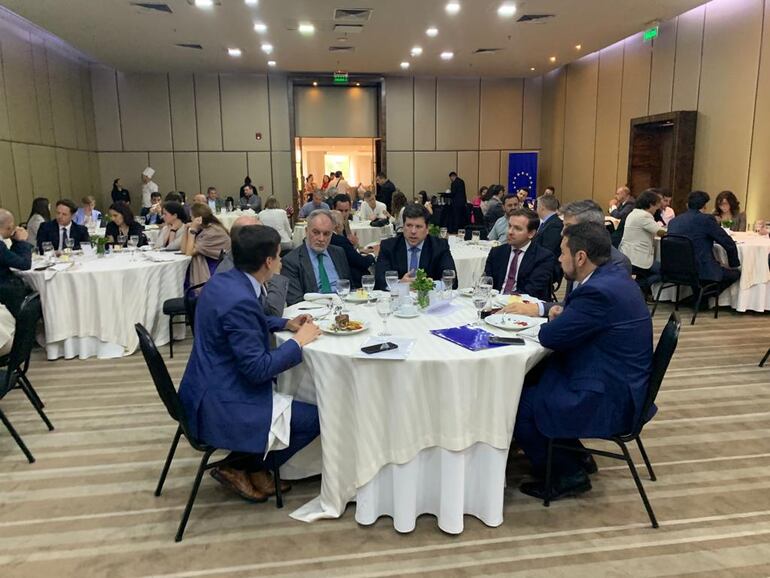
(86, 507)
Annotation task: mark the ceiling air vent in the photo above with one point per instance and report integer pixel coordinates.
(348, 28)
(190, 45)
(537, 18)
(486, 50)
(341, 49)
(356, 14)
(156, 6)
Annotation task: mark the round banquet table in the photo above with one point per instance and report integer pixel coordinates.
(470, 259)
(365, 232)
(429, 434)
(90, 309)
(150, 231)
(228, 218)
(752, 291)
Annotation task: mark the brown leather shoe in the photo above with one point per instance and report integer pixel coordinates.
(263, 482)
(238, 482)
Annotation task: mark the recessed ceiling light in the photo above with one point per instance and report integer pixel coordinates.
(315, 83)
(251, 2)
(447, 55)
(432, 32)
(404, 65)
(578, 46)
(267, 48)
(235, 52)
(305, 28)
(552, 59)
(416, 51)
(271, 62)
(453, 7)
(204, 3)
(532, 69)
(506, 10)
(260, 27)
(358, 84)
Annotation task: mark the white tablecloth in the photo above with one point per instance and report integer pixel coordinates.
(426, 435)
(469, 260)
(91, 308)
(227, 219)
(365, 232)
(150, 231)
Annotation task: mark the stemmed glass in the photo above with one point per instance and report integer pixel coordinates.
(133, 243)
(481, 295)
(48, 251)
(448, 279)
(367, 282)
(121, 241)
(443, 232)
(385, 307)
(343, 290)
(391, 279)
(69, 245)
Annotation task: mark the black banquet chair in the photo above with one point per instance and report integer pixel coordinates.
(14, 374)
(168, 394)
(764, 359)
(178, 307)
(660, 361)
(677, 268)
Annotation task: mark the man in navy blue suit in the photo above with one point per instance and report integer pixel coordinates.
(62, 228)
(595, 382)
(227, 388)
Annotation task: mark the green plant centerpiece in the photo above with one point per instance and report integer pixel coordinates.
(728, 224)
(433, 230)
(423, 285)
(101, 243)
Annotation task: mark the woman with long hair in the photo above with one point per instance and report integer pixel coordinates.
(171, 233)
(205, 240)
(40, 213)
(123, 224)
(727, 208)
(397, 204)
(325, 183)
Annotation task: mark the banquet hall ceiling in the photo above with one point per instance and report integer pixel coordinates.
(132, 38)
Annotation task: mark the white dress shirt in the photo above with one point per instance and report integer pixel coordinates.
(148, 189)
(638, 243)
(278, 220)
(369, 214)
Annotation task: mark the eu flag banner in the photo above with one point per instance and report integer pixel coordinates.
(522, 172)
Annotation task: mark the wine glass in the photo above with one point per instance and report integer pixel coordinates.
(121, 242)
(448, 279)
(391, 279)
(443, 232)
(69, 244)
(461, 234)
(367, 282)
(343, 290)
(48, 251)
(133, 243)
(485, 284)
(385, 307)
(480, 298)
(476, 236)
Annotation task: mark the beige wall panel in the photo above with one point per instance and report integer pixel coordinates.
(608, 121)
(127, 166)
(279, 112)
(502, 103)
(60, 72)
(399, 113)
(20, 89)
(687, 67)
(260, 171)
(88, 107)
(424, 114)
(208, 112)
(634, 100)
(224, 171)
(457, 113)
(468, 170)
(43, 94)
(96, 185)
(431, 170)
(580, 128)
(76, 101)
(551, 161)
(757, 204)
(8, 198)
(533, 114)
(245, 112)
(489, 168)
(80, 175)
(662, 76)
(107, 117)
(282, 185)
(144, 111)
(184, 131)
(45, 176)
(335, 111)
(163, 163)
(5, 128)
(65, 174)
(401, 172)
(24, 187)
(730, 51)
(187, 173)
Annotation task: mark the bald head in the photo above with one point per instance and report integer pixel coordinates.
(6, 218)
(244, 221)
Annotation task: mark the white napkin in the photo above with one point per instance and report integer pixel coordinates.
(318, 296)
(158, 257)
(53, 270)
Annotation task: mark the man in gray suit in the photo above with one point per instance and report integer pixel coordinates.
(315, 266)
(275, 300)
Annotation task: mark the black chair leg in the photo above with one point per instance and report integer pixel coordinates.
(169, 458)
(548, 466)
(171, 336)
(645, 458)
(34, 403)
(697, 306)
(657, 300)
(28, 383)
(193, 494)
(639, 485)
(764, 359)
(278, 493)
(716, 306)
(676, 302)
(17, 438)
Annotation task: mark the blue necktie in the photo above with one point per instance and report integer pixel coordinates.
(414, 260)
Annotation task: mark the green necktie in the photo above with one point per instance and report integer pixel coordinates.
(323, 276)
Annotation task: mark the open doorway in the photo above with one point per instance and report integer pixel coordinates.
(355, 158)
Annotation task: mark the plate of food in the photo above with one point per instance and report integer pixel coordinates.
(509, 321)
(468, 292)
(503, 300)
(342, 325)
(360, 296)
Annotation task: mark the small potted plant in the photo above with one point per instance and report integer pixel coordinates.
(727, 225)
(423, 285)
(433, 230)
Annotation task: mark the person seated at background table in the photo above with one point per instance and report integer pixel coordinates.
(172, 231)
(413, 249)
(620, 207)
(62, 228)
(122, 223)
(526, 202)
(359, 263)
(342, 204)
(153, 214)
(206, 241)
(727, 208)
(398, 204)
(576, 392)
(549, 231)
(703, 230)
(495, 210)
(316, 265)
(179, 198)
(250, 200)
(227, 387)
(7, 330)
(213, 200)
(315, 204)
(278, 285)
(499, 231)
(40, 213)
(274, 216)
(372, 209)
(638, 242)
(586, 211)
(18, 256)
(200, 199)
(478, 200)
(666, 212)
(522, 266)
(87, 213)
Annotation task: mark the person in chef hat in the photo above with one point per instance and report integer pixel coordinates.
(148, 186)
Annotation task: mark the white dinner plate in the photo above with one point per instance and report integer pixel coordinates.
(407, 315)
(468, 292)
(356, 297)
(329, 327)
(503, 300)
(509, 321)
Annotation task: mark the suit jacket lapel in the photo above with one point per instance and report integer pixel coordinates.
(399, 256)
(426, 255)
(307, 270)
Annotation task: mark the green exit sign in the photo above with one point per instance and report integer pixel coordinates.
(650, 33)
(340, 78)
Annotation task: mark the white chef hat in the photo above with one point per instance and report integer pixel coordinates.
(148, 172)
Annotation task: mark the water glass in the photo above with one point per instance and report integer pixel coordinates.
(448, 279)
(367, 282)
(391, 279)
(443, 232)
(343, 289)
(385, 307)
(480, 299)
(48, 251)
(476, 236)
(485, 285)
(133, 243)
(461, 234)
(69, 244)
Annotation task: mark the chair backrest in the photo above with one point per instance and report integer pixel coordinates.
(30, 313)
(664, 351)
(190, 303)
(677, 260)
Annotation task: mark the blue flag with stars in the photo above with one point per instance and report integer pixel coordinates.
(522, 172)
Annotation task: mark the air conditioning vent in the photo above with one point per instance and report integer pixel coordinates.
(341, 49)
(190, 45)
(355, 14)
(348, 28)
(537, 18)
(486, 50)
(155, 6)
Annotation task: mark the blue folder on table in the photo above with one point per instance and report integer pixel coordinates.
(473, 338)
